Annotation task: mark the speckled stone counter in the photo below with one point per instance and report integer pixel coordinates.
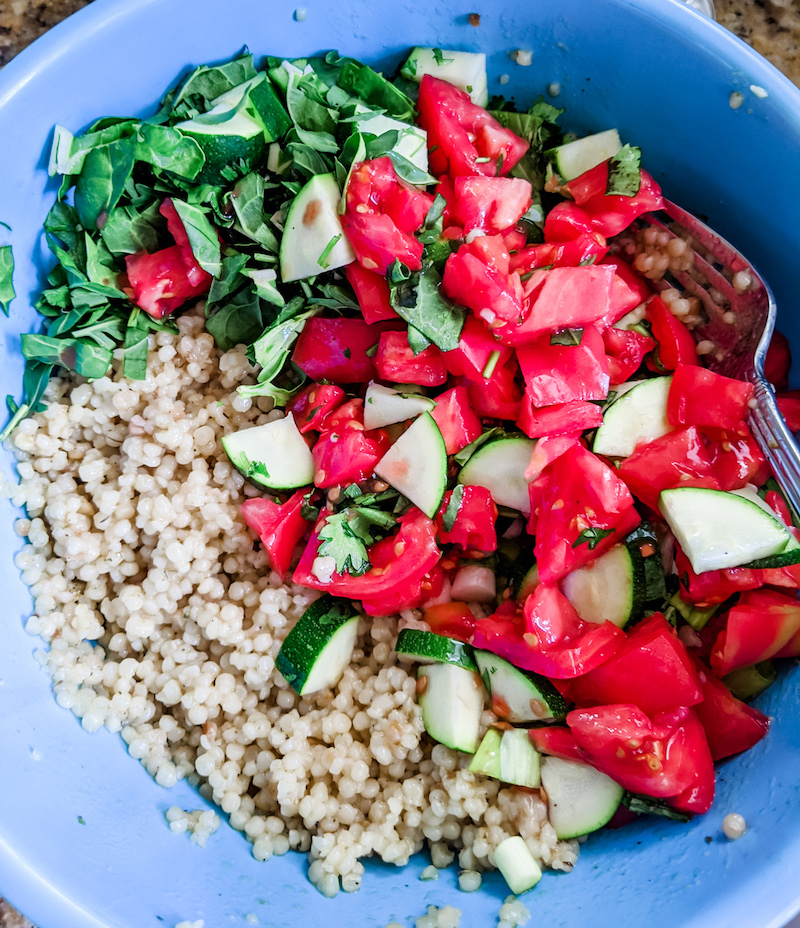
(772, 27)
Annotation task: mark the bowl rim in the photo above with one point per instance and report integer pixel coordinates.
(61, 40)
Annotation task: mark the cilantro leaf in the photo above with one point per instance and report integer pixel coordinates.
(625, 172)
(346, 536)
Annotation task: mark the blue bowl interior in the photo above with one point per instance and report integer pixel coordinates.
(83, 840)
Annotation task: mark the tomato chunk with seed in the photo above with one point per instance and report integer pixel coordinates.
(456, 419)
(338, 349)
(280, 526)
(394, 360)
(700, 397)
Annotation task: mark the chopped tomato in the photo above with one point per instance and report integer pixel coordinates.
(382, 212)
(778, 361)
(545, 451)
(402, 562)
(312, 406)
(675, 343)
(677, 459)
(737, 460)
(344, 452)
(478, 280)
(195, 275)
(456, 419)
(731, 725)
(394, 360)
(500, 396)
(557, 741)
(372, 293)
(650, 669)
(700, 397)
(625, 351)
(491, 204)
(280, 526)
(463, 138)
(789, 407)
(558, 419)
(338, 349)
(474, 523)
(453, 620)
(564, 373)
(629, 289)
(478, 351)
(655, 756)
(586, 247)
(585, 509)
(757, 628)
(699, 794)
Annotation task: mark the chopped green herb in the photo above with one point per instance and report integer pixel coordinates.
(592, 537)
(567, 337)
(453, 505)
(625, 172)
(7, 292)
(326, 251)
(416, 297)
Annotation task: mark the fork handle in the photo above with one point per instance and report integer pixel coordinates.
(776, 441)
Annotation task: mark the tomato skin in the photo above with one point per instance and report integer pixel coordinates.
(564, 373)
(599, 212)
(399, 580)
(557, 741)
(312, 406)
(731, 725)
(700, 397)
(460, 133)
(381, 214)
(394, 360)
(453, 620)
(456, 419)
(758, 627)
(545, 451)
(477, 280)
(657, 757)
(560, 254)
(280, 526)
(737, 460)
(625, 351)
(675, 343)
(714, 586)
(698, 796)
(474, 525)
(489, 203)
(593, 497)
(372, 293)
(651, 669)
(559, 419)
(500, 396)
(789, 408)
(677, 459)
(195, 275)
(344, 452)
(336, 349)
(160, 281)
(628, 291)
(778, 362)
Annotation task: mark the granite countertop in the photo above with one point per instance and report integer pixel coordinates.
(772, 27)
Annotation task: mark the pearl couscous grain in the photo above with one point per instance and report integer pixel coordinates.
(163, 622)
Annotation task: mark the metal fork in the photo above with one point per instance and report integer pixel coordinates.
(740, 324)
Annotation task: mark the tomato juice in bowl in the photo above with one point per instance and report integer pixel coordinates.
(685, 167)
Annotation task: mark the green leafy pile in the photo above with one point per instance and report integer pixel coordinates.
(231, 145)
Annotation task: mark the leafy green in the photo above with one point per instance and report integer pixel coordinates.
(453, 505)
(373, 88)
(346, 535)
(416, 297)
(203, 236)
(129, 230)
(169, 150)
(592, 536)
(102, 180)
(567, 337)
(646, 805)
(625, 172)
(468, 450)
(538, 126)
(247, 199)
(238, 322)
(84, 357)
(208, 82)
(7, 292)
(134, 361)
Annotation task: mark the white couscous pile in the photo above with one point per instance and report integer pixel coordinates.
(162, 622)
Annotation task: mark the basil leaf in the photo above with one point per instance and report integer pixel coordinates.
(567, 337)
(468, 450)
(416, 297)
(592, 536)
(238, 322)
(451, 510)
(169, 150)
(128, 230)
(7, 292)
(203, 236)
(134, 358)
(87, 359)
(208, 82)
(373, 88)
(625, 172)
(99, 265)
(247, 199)
(102, 181)
(417, 341)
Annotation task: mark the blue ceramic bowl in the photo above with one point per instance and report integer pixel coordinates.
(82, 834)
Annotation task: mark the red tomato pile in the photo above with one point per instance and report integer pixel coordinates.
(649, 711)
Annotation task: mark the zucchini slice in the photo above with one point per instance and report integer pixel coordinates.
(518, 695)
(416, 464)
(508, 756)
(451, 700)
(575, 158)
(580, 799)
(639, 415)
(717, 529)
(430, 648)
(610, 588)
(319, 647)
(274, 455)
(518, 866)
(500, 465)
